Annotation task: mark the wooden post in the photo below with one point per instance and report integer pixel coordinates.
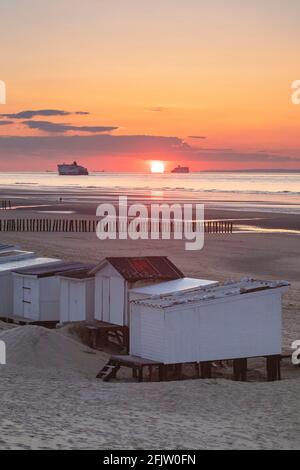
(162, 373)
(205, 370)
(240, 369)
(273, 368)
(178, 371)
(140, 374)
(126, 338)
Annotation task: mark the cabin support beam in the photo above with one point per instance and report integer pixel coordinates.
(240, 370)
(273, 368)
(205, 368)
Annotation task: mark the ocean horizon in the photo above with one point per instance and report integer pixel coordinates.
(250, 182)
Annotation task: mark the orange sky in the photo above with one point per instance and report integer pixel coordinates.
(221, 70)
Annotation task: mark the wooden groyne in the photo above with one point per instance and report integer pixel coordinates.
(90, 225)
(5, 204)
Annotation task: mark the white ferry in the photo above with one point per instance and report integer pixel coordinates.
(72, 169)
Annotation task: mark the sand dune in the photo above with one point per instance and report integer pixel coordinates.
(35, 347)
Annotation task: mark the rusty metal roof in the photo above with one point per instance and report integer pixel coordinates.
(135, 269)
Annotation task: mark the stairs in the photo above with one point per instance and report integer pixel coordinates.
(109, 371)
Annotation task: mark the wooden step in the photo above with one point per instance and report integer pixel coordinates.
(108, 372)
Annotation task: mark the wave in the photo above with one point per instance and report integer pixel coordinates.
(158, 188)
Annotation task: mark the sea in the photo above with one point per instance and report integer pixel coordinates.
(260, 191)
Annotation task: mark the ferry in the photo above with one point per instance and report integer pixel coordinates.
(72, 169)
(181, 169)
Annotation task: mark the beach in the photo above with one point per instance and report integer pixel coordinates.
(149, 228)
(53, 398)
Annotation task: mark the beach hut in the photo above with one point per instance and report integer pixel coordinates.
(77, 294)
(232, 321)
(37, 290)
(116, 276)
(6, 280)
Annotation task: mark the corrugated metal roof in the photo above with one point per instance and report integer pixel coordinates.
(10, 255)
(22, 263)
(145, 268)
(52, 269)
(4, 247)
(229, 289)
(169, 287)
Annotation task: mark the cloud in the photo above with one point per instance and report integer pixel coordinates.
(55, 147)
(6, 123)
(243, 157)
(155, 109)
(212, 149)
(197, 137)
(29, 114)
(79, 146)
(47, 126)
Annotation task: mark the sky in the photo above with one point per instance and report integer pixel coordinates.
(118, 84)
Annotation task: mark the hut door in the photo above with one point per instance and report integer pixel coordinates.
(29, 299)
(116, 312)
(105, 298)
(74, 293)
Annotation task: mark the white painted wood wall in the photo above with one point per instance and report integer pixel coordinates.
(6, 293)
(111, 296)
(36, 298)
(6, 281)
(76, 300)
(247, 325)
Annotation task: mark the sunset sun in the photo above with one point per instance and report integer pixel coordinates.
(157, 167)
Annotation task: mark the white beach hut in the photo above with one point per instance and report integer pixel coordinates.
(237, 320)
(6, 280)
(77, 296)
(115, 277)
(37, 291)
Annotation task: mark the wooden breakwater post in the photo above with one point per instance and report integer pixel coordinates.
(89, 225)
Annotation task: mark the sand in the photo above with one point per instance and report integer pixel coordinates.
(51, 399)
(55, 403)
(38, 348)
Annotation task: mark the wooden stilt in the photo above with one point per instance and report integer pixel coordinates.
(273, 368)
(205, 370)
(140, 374)
(178, 372)
(240, 369)
(162, 373)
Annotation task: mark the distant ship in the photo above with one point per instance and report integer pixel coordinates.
(72, 169)
(181, 169)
